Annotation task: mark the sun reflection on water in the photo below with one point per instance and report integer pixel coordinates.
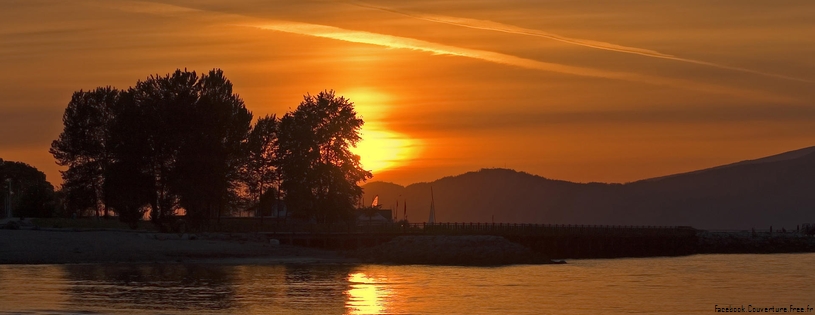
(366, 295)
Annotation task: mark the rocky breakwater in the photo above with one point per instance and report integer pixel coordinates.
(463, 250)
(747, 242)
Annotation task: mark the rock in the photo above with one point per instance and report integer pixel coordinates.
(747, 242)
(274, 242)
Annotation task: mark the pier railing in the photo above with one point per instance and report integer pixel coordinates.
(527, 228)
(553, 240)
(552, 229)
(276, 227)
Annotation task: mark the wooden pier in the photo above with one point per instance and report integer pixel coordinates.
(555, 241)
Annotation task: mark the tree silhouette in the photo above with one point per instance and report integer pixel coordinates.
(155, 124)
(184, 141)
(83, 143)
(319, 173)
(260, 170)
(79, 190)
(178, 141)
(211, 155)
(32, 195)
(130, 178)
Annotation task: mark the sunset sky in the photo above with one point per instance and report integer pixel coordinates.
(609, 91)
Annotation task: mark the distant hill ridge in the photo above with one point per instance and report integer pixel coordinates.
(769, 159)
(778, 190)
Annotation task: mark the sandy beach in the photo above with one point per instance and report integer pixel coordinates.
(70, 246)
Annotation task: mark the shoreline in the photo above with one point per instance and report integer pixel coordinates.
(74, 246)
(69, 246)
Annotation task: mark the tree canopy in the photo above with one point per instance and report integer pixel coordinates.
(186, 142)
(32, 195)
(260, 172)
(319, 173)
(83, 146)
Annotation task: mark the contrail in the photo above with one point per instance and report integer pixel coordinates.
(397, 42)
(511, 29)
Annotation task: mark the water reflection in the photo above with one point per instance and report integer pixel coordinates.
(316, 288)
(32, 287)
(688, 285)
(367, 295)
(204, 288)
(193, 289)
(150, 287)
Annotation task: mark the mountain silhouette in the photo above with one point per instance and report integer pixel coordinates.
(776, 191)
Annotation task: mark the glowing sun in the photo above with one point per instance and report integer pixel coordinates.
(380, 148)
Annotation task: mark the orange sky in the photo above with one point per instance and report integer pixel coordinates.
(574, 90)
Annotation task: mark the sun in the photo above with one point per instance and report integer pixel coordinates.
(380, 148)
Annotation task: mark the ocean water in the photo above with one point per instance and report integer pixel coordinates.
(676, 285)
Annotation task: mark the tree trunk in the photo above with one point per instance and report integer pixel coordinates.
(97, 201)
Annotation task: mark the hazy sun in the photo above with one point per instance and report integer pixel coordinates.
(380, 148)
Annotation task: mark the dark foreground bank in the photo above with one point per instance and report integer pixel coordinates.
(69, 246)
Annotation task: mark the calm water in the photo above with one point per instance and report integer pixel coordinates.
(685, 285)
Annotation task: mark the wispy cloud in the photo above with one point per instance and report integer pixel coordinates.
(398, 42)
(512, 29)
(444, 121)
(144, 7)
